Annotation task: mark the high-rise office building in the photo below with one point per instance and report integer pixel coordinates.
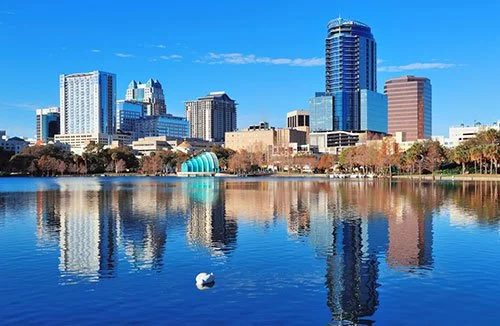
(410, 106)
(88, 102)
(131, 118)
(47, 123)
(351, 57)
(351, 66)
(150, 93)
(210, 117)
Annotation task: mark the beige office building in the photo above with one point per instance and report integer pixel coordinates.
(298, 119)
(265, 140)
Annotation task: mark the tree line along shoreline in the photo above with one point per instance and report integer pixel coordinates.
(476, 156)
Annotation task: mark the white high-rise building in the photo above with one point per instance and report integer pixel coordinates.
(88, 103)
(88, 106)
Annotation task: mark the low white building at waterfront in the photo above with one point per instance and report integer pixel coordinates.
(463, 132)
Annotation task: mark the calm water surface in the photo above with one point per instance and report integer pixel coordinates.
(284, 251)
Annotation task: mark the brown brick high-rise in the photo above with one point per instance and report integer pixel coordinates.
(409, 106)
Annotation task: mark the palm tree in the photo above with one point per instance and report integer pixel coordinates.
(461, 156)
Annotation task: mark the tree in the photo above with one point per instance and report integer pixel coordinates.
(434, 156)
(306, 162)
(85, 157)
(110, 167)
(414, 157)
(72, 168)
(326, 162)
(4, 159)
(61, 166)
(347, 158)
(33, 168)
(240, 162)
(120, 166)
(361, 156)
(114, 158)
(461, 156)
(152, 164)
(172, 160)
(477, 157)
(123, 153)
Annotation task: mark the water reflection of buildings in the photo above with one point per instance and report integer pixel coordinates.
(48, 216)
(410, 237)
(143, 210)
(88, 230)
(208, 224)
(352, 274)
(265, 201)
(89, 219)
(352, 225)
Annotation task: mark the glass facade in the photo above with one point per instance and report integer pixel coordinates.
(321, 112)
(47, 124)
(163, 125)
(131, 118)
(427, 102)
(351, 55)
(373, 111)
(127, 113)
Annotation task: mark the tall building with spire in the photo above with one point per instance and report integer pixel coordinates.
(150, 93)
(351, 101)
(351, 57)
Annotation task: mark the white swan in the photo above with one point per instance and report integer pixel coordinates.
(204, 278)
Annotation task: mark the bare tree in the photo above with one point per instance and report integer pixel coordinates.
(120, 166)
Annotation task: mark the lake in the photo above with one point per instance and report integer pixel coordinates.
(284, 251)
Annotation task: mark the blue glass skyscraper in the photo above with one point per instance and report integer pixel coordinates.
(351, 57)
(351, 67)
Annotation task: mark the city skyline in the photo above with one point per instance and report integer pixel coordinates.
(288, 63)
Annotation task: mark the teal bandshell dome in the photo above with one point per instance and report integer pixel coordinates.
(204, 162)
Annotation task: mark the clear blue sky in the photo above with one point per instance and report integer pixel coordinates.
(267, 55)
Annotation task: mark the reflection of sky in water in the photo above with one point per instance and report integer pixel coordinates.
(304, 251)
